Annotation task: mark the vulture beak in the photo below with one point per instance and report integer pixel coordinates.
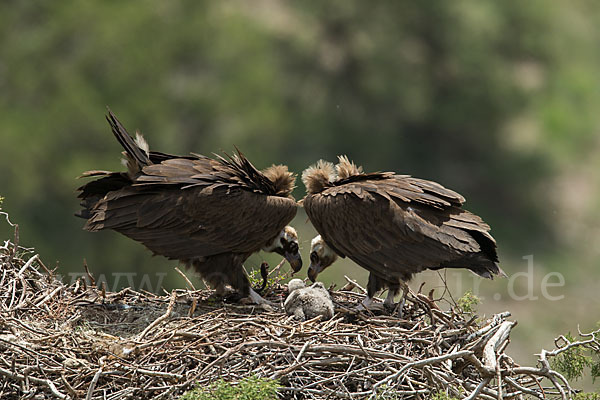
(314, 270)
(294, 259)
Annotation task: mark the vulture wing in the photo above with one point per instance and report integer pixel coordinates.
(399, 225)
(185, 208)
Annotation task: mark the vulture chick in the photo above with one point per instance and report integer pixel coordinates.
(308, 302)
(211, 214)
(392, 225)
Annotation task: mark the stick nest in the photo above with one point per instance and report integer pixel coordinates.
(78, 341)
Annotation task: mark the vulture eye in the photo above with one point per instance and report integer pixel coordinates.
(282, 241)
(293, 247)
(314, 258)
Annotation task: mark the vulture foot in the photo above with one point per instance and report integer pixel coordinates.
(396, 308)
(400, 306)
(365, 304)
(405, 291)
(258, 299)
(231, 297)
(389, 304)
(389, 307)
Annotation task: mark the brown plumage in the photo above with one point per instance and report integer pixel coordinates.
(392, 225)
(209, 213)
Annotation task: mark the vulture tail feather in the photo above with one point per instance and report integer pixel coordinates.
(476, 264)
(139, 155)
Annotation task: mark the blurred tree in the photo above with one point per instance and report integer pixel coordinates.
(492, 99)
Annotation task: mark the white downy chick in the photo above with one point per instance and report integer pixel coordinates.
(308, 302)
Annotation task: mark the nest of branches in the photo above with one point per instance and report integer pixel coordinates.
(78, 341)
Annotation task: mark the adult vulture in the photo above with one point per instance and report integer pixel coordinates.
(211, 214)
(392, 225)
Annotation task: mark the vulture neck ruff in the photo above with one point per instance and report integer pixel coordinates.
(324, 175)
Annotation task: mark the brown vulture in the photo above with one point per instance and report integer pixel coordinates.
(211, 214)
(392, 225)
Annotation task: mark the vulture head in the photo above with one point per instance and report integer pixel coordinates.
(346, 168)
(318, 176)
(286, 244)
(321, 257)
(283, 180)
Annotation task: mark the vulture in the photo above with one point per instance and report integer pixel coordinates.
(392, 225)
(210, 214)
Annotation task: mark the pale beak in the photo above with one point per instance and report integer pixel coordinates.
(314, 270)
(294, 259)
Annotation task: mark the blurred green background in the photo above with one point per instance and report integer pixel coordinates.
(497, 100)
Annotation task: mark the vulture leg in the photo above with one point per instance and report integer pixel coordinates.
(393, 289)
(389, 300)
(374, 285)
(224, 271)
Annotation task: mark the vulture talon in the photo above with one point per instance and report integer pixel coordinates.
(258, 299)
(400, 307)
(365, 304)
(233, 297)
(390, 308)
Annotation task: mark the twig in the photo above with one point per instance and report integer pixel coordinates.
(45, 382)
(478, 389)
(275, 270)
(159, 319)
(189, 283)
(28, 264)
(353, 282)
(49, 296)
(89, 274)
(489, 351)
(92, 386)
(419, 363)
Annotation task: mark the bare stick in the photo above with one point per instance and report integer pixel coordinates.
(28, 264)
(275, 270)
(353, 282)
(45, 382)
(92, 386)
(159, 319)
(489, 351)
(49, 296)
(89, 274)
(189, 283)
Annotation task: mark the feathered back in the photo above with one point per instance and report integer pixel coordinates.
(188, 207)
(396, 225)
(275, 180)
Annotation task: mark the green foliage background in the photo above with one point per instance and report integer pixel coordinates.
(497, 100)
